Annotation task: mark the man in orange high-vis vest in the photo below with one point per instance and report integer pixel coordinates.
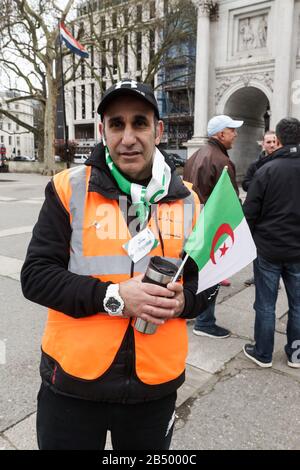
(97, 230)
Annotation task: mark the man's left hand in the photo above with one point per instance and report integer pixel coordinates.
(179, 295)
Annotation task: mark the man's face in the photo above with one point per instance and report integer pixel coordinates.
(269, 143)
(227, 137)
(131, 135)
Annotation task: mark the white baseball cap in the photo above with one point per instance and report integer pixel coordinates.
(218, 123)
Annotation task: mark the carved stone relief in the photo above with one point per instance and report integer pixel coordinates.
(224, 83)
(253, 33)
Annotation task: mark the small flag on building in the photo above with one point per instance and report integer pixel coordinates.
(221, 243)
(71, 42)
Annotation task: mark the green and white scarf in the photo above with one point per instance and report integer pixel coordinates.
(143, 196)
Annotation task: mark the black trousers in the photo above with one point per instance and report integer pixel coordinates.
(74, 424)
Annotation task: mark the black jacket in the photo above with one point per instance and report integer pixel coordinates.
(252, 168)
(272, 206)
(46, 280)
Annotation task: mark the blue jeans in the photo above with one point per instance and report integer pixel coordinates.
(267, 277)
(207, 317)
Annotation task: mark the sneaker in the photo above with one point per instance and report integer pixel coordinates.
(249, 282)
(214, 331)
(225, 283)
(293, 364)
(249, 351)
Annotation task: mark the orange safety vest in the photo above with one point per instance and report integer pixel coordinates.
(86, 347)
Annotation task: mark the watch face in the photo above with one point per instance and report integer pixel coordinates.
(113, 304)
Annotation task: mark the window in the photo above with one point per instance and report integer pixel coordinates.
(125, 54)
(93, 99)
(73, 67)
(114, 19)
(103, 59)
(9, 126)
(166, 7)
(2, 139)
(115, 55)
(152, 9)
(139, 13)
(125, 14)
(9, 140)
(138, 51)
(17, 127)
(151, 44)
(92, 60)
(82, 69)
(83, 110)
(74, 103)
(18, 141)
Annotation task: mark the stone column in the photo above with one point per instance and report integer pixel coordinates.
(281, 102)
(201, 77)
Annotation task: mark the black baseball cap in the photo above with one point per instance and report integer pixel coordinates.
(128, 87)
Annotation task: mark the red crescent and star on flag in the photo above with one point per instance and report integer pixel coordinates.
(224, 229)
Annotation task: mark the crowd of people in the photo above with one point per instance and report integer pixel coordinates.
(100, 226)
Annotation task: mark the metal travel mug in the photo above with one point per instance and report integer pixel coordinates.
(159, 272)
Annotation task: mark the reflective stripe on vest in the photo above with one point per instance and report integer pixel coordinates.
(86, 347)
(103, 265)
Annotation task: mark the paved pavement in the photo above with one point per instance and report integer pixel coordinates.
(227, 402)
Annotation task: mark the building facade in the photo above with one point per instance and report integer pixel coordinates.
(129, 57)
(16, 139)
(248, 66)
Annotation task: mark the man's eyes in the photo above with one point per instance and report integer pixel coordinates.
(120, 125)
(141, 123)
(116, 124)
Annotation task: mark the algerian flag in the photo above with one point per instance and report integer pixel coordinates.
(221, 243)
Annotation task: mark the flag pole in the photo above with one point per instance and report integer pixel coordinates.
(180, 269)
(66, 130)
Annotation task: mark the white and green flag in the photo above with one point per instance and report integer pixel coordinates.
(221, 243)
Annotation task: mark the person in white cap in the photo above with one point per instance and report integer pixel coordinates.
(203, 170)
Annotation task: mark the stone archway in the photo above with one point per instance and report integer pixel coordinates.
(250, 105)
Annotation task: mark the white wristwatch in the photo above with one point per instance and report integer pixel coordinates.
(113, 303)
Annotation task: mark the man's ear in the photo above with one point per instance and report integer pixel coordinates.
(278, 143)
(159, 132)
(101, 130)
(220, 136)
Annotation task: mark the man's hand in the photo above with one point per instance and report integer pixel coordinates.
(152, 303)
(179, 295)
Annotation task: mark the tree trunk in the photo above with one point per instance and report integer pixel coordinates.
(40, 145)
(49, 126)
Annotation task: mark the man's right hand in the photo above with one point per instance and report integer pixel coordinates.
(152, 303)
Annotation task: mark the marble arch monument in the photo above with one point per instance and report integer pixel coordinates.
(247, 66)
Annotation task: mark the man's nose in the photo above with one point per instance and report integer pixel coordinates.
(129, 137)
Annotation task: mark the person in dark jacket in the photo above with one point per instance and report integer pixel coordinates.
(203, 170)
(268, 147)
(99, 225)
(272, 211)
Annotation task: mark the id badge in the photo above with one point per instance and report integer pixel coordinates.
(140, 245)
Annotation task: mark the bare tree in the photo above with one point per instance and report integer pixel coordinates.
(29, 57)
